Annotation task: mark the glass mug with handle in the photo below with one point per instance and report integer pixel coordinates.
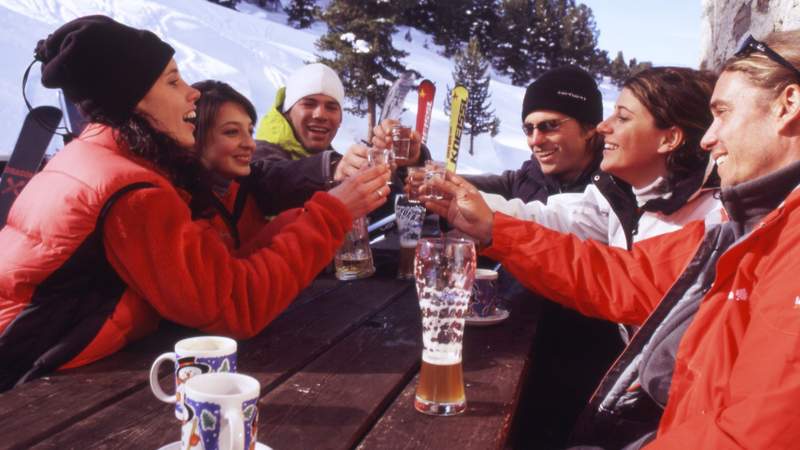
(444, 270)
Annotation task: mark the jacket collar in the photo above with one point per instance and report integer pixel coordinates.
(554, 186)
(684, 190)
(275, 129)
(748, 202)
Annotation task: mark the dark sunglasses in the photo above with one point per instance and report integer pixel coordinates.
(545, 126)
(752, 44)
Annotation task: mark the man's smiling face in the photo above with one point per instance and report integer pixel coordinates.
(315, 120)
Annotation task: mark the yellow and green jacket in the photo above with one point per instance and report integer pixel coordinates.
(284, 174)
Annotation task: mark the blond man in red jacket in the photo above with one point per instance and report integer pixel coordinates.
(716, 363)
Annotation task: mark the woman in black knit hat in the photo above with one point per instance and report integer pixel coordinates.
(111, 235)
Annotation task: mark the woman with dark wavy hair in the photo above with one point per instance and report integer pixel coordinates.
(113, 234)
(224, 144)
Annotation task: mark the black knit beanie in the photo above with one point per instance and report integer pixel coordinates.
(569, 90)
(98, 59)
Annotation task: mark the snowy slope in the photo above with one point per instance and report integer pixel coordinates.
(252, 50)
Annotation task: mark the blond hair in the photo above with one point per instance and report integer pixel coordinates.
(762, 71)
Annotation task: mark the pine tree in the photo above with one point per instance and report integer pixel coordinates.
(512, 51)
(359, 38)
(451, 26)
(420, 14)
(619, 70)
(301, 13)
(600, 64)
(226, 3)
(471, 71)
(567, 34)
(270, 5)
(482, 18)
(579, 36)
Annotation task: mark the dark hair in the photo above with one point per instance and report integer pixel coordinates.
(678, 96)
(182, 166)
(213, 94)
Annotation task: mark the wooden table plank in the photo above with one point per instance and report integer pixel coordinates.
(334, 401)
(495, 362)
(292, 341)
(65, 397)
(100, 384)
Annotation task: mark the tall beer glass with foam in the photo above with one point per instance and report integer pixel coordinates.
(444, 269)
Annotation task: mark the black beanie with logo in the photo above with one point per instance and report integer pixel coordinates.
(569, 90)
(103, 64)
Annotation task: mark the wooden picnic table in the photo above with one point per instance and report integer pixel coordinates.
(337, 370)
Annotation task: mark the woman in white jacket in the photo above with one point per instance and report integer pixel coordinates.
(654, 176)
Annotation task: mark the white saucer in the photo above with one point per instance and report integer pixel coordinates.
(498, 316)
(177, 446)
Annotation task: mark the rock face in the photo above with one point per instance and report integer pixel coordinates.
(727, 22)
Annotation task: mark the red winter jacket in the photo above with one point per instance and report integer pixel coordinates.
(737, 375)
(165, 264)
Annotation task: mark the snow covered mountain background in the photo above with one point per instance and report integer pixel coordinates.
(254, 51)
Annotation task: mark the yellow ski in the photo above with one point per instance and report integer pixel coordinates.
(458, 106)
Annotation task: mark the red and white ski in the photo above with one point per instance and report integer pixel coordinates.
(426, 92)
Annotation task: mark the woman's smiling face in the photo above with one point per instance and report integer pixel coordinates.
(230, 143)
(169, 106)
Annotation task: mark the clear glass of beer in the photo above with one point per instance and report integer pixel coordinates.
(354, 258)
(409, 216)
(444, 270)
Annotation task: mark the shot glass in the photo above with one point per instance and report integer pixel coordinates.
(380, 156)
(401, 142)
(415, 179)
(434, 169)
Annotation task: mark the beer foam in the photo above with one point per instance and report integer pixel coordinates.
(443, 314)
(408, 243)
(485, 274)
(440, 359)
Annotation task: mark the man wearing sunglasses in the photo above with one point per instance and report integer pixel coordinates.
(559, 113)
(716, 362)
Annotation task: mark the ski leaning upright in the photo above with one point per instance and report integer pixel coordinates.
(34, 137)
(393, 103)
(458, 107)
(426, 92)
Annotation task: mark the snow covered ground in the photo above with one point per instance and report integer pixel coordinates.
(254, 51)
